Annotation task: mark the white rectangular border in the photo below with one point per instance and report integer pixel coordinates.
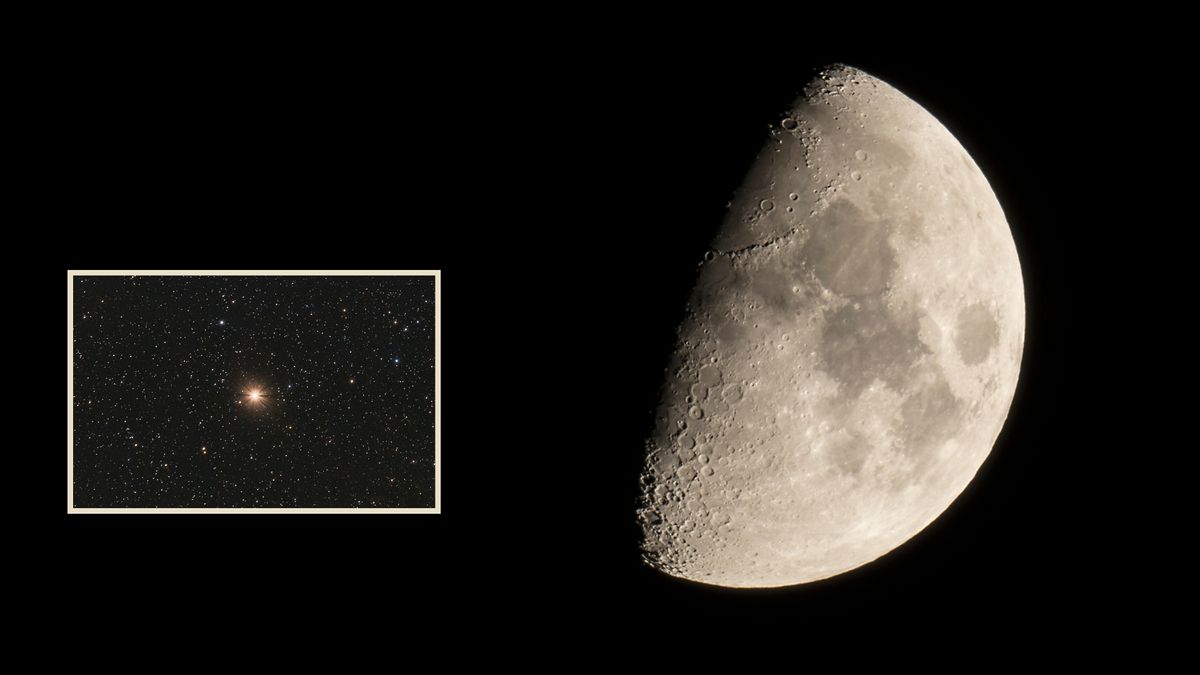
(437, 386)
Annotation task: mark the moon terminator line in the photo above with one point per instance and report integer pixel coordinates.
(850, 352)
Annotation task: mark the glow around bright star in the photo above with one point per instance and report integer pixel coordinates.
(255, 397)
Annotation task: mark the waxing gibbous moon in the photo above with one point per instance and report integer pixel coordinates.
(850, 349)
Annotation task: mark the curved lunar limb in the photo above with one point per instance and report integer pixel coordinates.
(850, 350)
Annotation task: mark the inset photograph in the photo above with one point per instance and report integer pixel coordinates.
(253, 391)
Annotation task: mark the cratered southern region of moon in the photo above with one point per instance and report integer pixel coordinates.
(848, 354)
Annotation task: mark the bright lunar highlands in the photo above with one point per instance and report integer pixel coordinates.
(850, 349)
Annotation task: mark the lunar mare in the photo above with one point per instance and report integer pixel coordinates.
(849, 353)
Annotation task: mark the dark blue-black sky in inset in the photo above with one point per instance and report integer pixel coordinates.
(253, 391)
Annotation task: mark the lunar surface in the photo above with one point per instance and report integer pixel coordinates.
(849, 353)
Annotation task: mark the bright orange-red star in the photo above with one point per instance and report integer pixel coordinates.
(256, 397)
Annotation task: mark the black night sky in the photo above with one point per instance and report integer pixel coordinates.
(566, 197)
(254, 391)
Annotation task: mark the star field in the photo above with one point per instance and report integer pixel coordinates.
(253, 391)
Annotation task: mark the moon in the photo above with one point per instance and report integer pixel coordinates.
(849, 353)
